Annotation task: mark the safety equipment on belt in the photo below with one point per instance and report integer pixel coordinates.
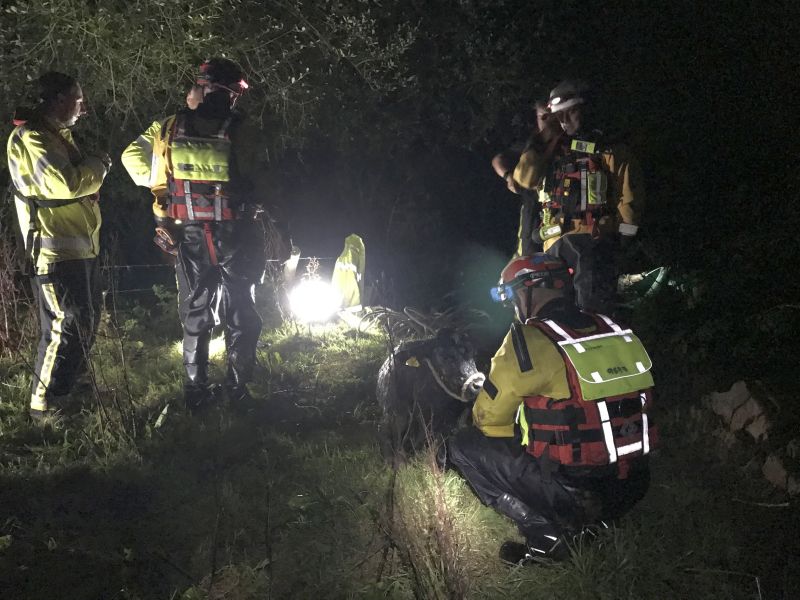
(537, 271)
(164, 240)
(605, 420)
(199, 181)
(549, 228)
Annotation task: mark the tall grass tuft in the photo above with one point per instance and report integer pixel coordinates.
(428, 513)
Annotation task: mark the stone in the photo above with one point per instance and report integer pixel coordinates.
(746, 414)
(758, 427)
(775, 472)
(725, 403)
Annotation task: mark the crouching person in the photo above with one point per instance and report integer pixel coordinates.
(562, 429)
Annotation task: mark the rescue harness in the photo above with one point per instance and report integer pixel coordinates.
(605, 421)
(576, 186)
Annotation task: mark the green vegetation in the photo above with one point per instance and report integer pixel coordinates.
(134, 500)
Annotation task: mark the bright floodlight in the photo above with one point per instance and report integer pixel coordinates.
(314, 300)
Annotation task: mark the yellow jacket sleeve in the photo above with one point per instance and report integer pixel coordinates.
(138, 157)
(530, 169)
(41, 166)
(526, 364)
(627, 191)
(145, 159)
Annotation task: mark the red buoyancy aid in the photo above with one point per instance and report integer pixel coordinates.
(588, 433)
(199, 178)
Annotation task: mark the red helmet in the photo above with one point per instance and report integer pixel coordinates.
(222, 73)
(538, 271)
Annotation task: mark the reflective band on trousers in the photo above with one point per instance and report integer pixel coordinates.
(38, 400)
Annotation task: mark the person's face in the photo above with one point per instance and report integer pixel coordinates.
(70, 106)
(571, 119)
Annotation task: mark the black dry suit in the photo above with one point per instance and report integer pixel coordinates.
(211, 170)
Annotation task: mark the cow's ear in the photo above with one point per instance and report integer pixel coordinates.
(412, 362)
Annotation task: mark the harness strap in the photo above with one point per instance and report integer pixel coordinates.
(212, 253)
(521, 348)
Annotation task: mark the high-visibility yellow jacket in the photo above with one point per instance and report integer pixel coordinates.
(349, 270)
(625, 197)
(147, 158)
(510, 380)
(47, 166)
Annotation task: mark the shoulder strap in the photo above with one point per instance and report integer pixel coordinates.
(521, 348)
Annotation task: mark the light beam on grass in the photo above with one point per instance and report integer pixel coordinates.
(216, 347)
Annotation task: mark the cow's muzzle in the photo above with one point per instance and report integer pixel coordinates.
(471, 387)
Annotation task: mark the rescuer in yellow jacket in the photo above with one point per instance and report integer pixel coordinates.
(57, 204)
(591, 195)
(555, 483)
(207, 176)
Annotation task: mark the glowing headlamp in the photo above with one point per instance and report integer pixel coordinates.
(502, 293)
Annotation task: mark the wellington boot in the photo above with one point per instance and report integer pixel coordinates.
(199, 397)
(241, 401)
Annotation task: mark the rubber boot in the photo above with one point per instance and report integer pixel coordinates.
(543, 539)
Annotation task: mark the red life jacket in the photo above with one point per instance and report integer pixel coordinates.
(579, 433)
(196, 198)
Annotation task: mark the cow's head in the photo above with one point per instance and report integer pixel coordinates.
(451, 360)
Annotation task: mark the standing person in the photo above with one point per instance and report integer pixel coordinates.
(206, 184)
(591, 195)
(58, 210)
(562, 431)
(545, 130)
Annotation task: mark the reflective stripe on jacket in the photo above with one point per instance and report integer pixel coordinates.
(144, 161)
(46, 168)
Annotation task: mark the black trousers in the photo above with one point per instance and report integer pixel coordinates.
(595, 271)
(69, 311)
(558, 503)
(220, 263)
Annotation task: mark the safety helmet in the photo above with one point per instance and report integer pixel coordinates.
(222, 73)
(537, 271)
(567, 94)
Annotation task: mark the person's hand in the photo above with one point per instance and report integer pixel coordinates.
(511, 184)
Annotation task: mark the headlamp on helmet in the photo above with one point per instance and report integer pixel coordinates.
(537, 271)
(567, 94)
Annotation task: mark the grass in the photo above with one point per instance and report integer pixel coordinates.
(294, 501)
